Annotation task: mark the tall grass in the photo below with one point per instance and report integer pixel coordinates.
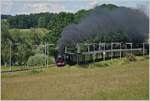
(116, 81)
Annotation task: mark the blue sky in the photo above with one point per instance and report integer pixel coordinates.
(14, 7)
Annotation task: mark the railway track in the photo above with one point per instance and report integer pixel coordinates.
(26, 69)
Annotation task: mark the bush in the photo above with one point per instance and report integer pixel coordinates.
(130, 57)
(38, 60)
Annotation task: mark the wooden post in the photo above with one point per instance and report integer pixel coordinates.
(78, 51)
(10, 54)
(47, 53)
(131, 48)
(104, 52)
(99, 48)
(120, 50)
(78, 48)
(143, 48)
(65, 49)
(83, 58)
(77, 59)
(125, 52)
(94, 53)
(88, 48)
(111, 50)
(99, 54)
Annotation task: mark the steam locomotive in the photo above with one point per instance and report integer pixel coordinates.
(62, 59)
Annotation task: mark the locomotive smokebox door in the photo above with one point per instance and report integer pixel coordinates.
(60, 60)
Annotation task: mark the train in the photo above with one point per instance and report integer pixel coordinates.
(96, 53)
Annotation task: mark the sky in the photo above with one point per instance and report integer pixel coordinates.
(15, 7)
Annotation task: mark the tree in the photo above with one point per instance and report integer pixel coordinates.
(5, 45)
(80, 15)
(41, 22)
(56, 25)
(35, 36)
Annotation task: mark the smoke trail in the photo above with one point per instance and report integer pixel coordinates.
(101, 20)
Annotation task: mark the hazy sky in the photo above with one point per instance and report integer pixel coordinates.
(14, 7)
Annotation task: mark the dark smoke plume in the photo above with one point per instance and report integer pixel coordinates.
(101, 20)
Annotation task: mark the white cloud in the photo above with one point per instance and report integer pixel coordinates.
(56, 8)
(6, 6)
(37, 7)
(93, 3)
(33, 8)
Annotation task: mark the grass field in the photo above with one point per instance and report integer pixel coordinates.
(96, 81)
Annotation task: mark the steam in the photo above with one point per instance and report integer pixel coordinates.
(101, 20)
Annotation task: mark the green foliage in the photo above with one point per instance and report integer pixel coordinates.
(25, 39)
(41, 22)
(51, 60)
(39, 50)
(56, 25)
(5, 42)
(5, 35)
(80, 15)
(36, 37)
(28, 36)
(5, 16)
(109, 6)
(29, 21)
(5, 53)
(38, 60)
(22, 43)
